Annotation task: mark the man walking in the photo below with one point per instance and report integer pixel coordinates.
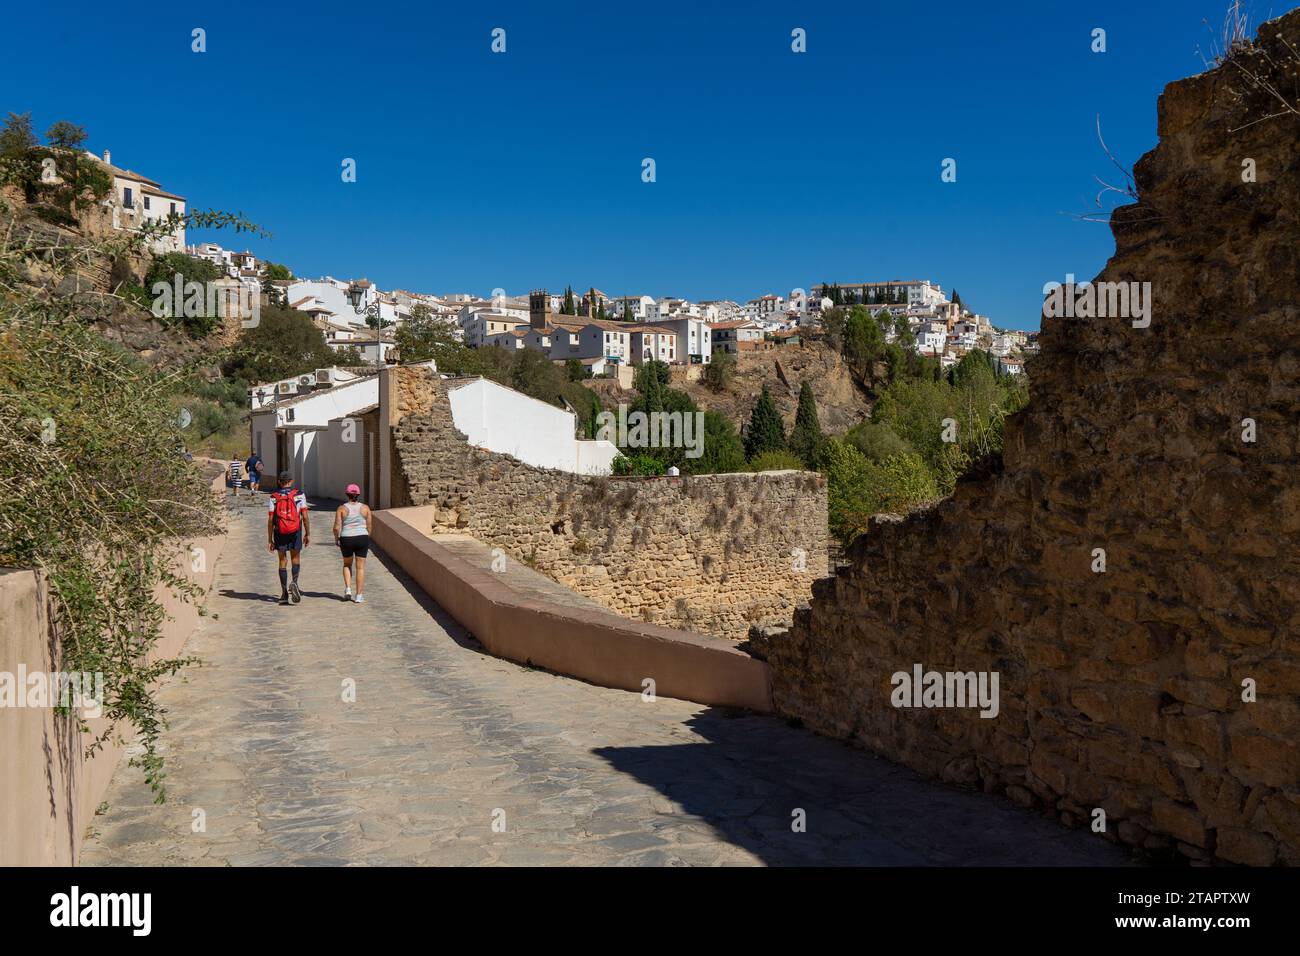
(288, 531)
(253, 467)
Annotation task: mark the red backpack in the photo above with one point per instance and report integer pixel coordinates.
(287, 519)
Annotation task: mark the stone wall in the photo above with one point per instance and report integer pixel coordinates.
(1120, 689)
(714, 554)
(51, 787)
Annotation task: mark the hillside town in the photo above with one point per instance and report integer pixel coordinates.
(605, 332)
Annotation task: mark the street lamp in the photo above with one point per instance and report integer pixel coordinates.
(356, 293)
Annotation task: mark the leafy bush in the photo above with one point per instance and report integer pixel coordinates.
(858, 488)
(720, 371)
(96, 493)
(285, 342)
(877, 441)
(97, 497)
(164, 269)
(644, 465)
(722, 450)
(776, 461)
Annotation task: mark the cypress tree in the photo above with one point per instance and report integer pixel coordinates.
(806, 437)
(765, 432)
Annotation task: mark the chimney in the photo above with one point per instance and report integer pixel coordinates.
(108, 158)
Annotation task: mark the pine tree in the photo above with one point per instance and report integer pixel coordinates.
(765, 432)
(806, 437)
(568, 307)
(17, 137)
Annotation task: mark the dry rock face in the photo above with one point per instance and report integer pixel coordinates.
(715, 554)
(1123, 689)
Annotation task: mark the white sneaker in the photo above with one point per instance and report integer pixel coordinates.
(347, 594)
(359, 599)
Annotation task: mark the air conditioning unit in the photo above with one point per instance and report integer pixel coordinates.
(286, 388)
(324, 376)
(306, 381)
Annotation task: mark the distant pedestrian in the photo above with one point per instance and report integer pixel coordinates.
(253, 468)
(352, 532)
(236, 475)
(288, 531)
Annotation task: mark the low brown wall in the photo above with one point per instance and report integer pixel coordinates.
(595, 646)
(49, 790)
(711, 554)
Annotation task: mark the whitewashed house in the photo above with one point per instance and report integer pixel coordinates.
(649, 343)
(137, 200)
(500, 419)
(694, 339)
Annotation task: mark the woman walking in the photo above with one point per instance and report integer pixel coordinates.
(352, 532)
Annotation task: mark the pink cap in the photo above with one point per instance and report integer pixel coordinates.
(354, 490)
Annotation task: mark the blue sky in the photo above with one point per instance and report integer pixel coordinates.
(775, 170)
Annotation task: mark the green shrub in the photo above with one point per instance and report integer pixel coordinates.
(55, 216)
(644, 465)
(858, 488)
(877, 441)
(776, 461)
(722, 450)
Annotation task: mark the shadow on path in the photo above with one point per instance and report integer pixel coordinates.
(756, 773)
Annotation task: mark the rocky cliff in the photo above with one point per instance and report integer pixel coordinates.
(1131, 569)
(841, 401)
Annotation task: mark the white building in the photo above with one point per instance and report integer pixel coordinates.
(330, 295)
(136, 201)
(514, 339)
(591, 339)
(633, 308)
(694, 339)
(285, 433)
(499, 419)
(727, 336)
(931, 338)
(481, 325)
(649, 343)
(913, 292)
(269, 393)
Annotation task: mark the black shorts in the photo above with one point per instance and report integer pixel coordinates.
(288, 542)
(355, 545)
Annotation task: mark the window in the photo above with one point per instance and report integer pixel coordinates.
(146, 202)
(173, 209)
(128, 201)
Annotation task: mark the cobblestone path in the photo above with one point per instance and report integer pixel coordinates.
(449, 756)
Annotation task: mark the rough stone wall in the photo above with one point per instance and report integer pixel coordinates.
(714, 554)
(1123, 689)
